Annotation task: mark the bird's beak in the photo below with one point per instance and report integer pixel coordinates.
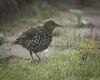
(58, 25)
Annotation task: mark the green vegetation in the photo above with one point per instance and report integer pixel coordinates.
(62, 65)
(2, 40)
(77, 13)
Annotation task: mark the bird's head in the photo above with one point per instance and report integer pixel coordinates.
(51, 24)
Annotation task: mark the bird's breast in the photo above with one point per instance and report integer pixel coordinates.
(39, 42)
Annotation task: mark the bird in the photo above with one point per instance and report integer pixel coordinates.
(37, 39)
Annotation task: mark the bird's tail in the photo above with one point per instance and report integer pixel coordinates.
(15, 42)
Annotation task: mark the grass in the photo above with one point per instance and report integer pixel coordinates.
(2, 40)
(62, 65)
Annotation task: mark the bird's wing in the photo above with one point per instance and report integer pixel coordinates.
(27, 34)
(31, 32)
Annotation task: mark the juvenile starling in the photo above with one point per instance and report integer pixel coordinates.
(37, 39)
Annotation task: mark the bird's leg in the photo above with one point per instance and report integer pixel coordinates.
(38, 57)
(31, 55)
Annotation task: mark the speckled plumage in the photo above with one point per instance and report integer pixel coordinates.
(37, 39)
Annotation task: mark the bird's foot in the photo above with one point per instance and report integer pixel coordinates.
(35, 61)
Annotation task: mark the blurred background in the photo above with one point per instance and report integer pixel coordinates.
(17, 8)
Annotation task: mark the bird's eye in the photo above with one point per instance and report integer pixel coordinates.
(52, 24)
